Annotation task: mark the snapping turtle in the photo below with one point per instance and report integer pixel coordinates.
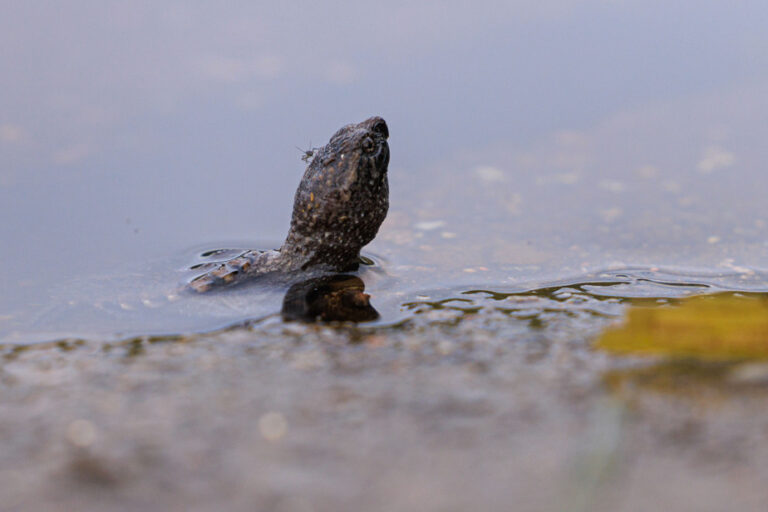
(341, 201)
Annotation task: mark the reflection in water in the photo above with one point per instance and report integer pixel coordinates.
(602, 295)
(118, 308)
(708, 385)
(336, 298)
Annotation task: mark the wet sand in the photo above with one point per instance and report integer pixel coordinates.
(488, 415)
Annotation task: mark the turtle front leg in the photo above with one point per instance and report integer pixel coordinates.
(235, 270)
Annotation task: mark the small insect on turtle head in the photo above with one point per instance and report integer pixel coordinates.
(307, 154)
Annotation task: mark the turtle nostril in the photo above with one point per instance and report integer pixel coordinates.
(381, 127)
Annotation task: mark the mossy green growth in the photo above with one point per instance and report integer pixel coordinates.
(718, 327)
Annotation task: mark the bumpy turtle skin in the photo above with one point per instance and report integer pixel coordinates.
(341, 201)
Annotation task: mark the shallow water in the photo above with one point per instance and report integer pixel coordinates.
(553, 164)
(529, 166)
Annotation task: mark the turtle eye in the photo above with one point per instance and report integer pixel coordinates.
(368, 145)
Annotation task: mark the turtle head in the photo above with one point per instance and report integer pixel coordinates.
(363, 146)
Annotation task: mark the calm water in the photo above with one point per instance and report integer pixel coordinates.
(533, 146)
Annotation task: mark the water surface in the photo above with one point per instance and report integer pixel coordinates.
(530, 145)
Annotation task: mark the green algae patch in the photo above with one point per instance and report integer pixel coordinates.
(721, 327)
